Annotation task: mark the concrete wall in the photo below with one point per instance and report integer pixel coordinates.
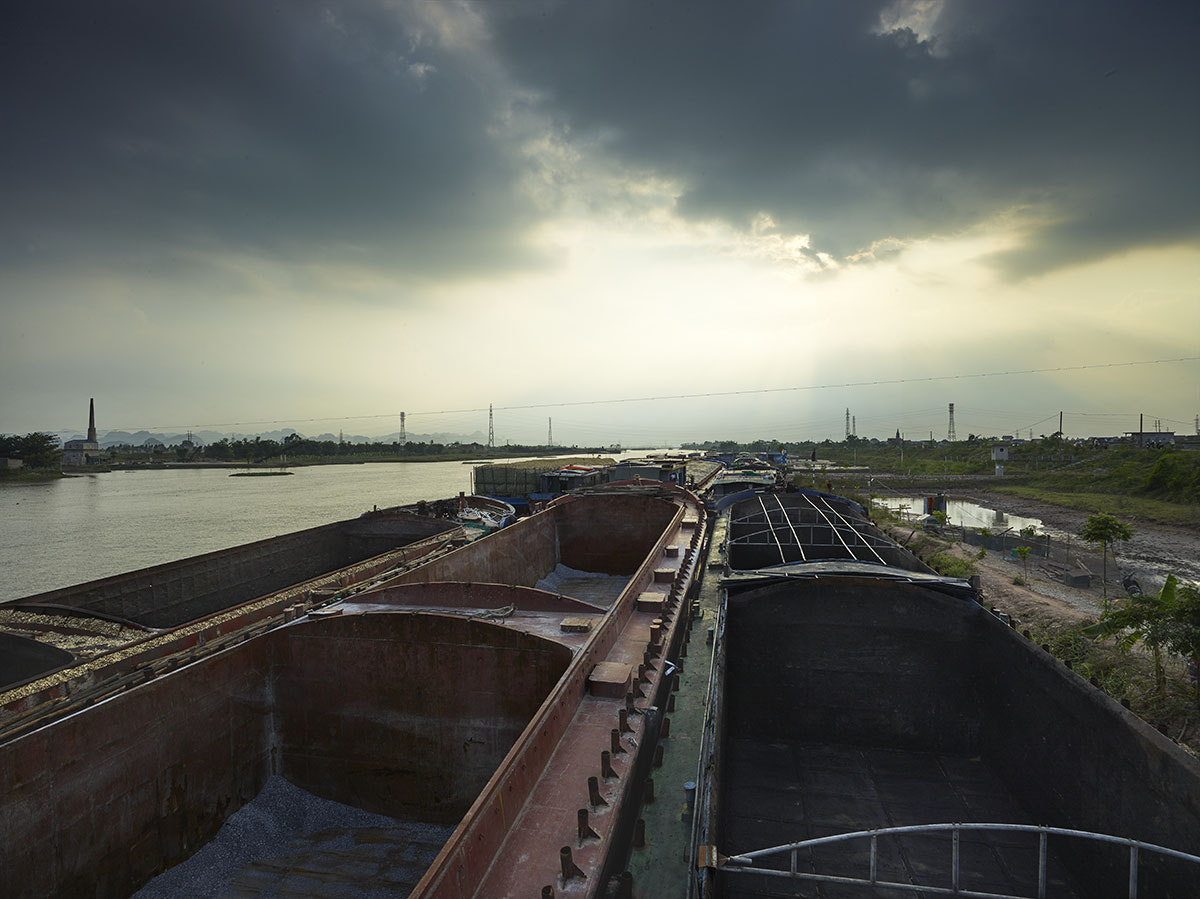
(178, 592)
(406, 714)
(857, 661)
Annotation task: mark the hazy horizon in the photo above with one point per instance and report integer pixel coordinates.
(652, 223)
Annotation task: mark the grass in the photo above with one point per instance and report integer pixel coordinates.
(949, 565)
(1160, 485)
(1124, 507)
(29, 475)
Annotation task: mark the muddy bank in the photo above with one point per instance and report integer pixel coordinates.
(1155, 551)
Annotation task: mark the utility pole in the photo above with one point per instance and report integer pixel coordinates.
(1060, 433)
(491, 429)
(950, 435)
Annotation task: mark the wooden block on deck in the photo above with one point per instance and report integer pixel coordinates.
(671, 550)
(611, 679)
(651, 602)
(664, 575)
(576, 625)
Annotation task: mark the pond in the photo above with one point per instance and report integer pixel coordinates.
(962, 513)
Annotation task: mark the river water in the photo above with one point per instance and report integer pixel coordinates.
(63, 532)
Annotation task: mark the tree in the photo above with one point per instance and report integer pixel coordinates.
(1105, 530)
(39, 450)
(1023, 552)
(1184, 637)
(1150, 620)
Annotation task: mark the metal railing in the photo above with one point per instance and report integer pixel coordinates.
(745, 862)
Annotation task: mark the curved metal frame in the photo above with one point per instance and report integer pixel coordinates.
(744, 862)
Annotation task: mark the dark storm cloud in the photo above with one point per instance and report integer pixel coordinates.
(290, 130)
(1079, 112)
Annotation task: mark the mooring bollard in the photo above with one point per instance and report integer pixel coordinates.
(623, 721)
(606, 768)
(594, 797)
(569, 870)
(616, 748)
(584, 829)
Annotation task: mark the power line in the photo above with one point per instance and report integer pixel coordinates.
(880, 382)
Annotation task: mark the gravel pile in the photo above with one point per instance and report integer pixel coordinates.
(288, 842)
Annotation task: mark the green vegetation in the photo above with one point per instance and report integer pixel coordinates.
(297, 450)
(949, 565)
(36, 450)
(1160, 688)
(1157, 484)
(1105, 530)
(1023, 554)
(1132, 507)
(1148, 620)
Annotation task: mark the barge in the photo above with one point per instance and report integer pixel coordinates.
(872, 730)
(539, 697)
(495, 688)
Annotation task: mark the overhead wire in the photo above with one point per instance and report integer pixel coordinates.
(878, 382)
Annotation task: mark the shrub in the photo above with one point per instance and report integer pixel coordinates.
(951, 566)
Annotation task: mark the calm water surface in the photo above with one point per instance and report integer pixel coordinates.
(964, 513)
(82, 528)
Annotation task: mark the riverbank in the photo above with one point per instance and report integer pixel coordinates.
(1156, 549)
(29, 476)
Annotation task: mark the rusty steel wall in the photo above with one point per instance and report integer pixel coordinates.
(406, 714)
(393, 712)
(177, 592)
(520, 554)
(610, 534)
(471, 851)
(101, 801)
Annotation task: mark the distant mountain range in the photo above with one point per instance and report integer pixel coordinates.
(204, 438)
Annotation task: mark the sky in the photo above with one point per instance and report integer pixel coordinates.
(628, 221)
